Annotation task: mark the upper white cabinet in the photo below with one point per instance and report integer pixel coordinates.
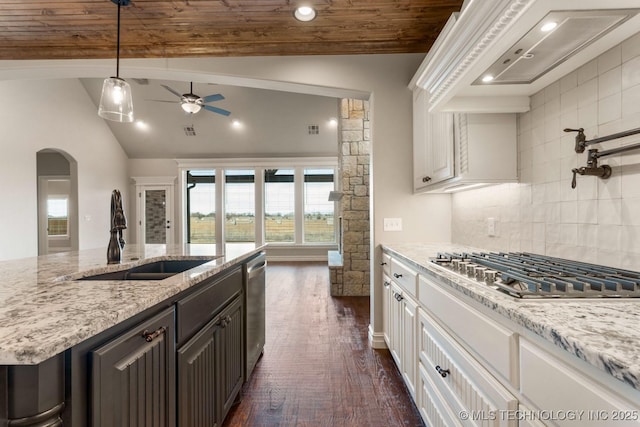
(503, 39)
(456, 151)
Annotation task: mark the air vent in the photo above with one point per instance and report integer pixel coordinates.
(141, 82)
(314, 129)
(189, 130)
(539, 51)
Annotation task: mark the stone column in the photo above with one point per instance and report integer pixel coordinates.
(354, 163)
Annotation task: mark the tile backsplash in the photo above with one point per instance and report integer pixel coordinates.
(599, 220)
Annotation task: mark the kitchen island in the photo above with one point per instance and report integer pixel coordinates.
(47, 312)
(560, 354)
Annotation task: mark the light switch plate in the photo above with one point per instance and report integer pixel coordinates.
(392, 224)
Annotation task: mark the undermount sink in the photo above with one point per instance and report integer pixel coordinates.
(157, 270)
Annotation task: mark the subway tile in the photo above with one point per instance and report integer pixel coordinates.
(553, 233)
(569, 234)
(630, 184)
(631, 73)
(610, 108)
(569, 119)
(524, 121)
(553, 129)
(553, 213)
(552, 170)
(631, 48)
(537, 100)
(526, 158)
(609, 60)
(569, 100)
(587, 187)
(610, 188)
(588, 115)
(609, 236)
(566, 192)
(587, 212)
(588, 71)
(631, 211)
(610, 83)
(587, 235)
(569, 212)
(630, 101)
(609, 257)
(569, 82)
(552, 191)
(537, 117)
(538, 154)
(630, 261)
(552, 92)
(588, 93)
(539, 213)
(630, 236)
(610, 212)
(552, 108)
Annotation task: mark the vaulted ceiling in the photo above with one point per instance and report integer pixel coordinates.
(69, 29)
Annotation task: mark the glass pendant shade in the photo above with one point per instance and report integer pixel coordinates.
(116, 103)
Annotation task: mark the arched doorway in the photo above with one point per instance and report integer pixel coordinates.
(57, 177)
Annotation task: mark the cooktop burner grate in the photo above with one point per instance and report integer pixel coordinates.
(526, 275)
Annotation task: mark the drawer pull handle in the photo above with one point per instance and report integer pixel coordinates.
(397, 276)
(150, 336)
(383, 263)
(398, 297)
(426, 179)
(442, 372)
(386, 284)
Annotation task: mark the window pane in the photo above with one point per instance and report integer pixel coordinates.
(57, 215)
(201, 206)
(240, 206)
(318, 210)
(279, 205)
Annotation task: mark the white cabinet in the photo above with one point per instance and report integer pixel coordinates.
(386, 308)
(554, 386)
(457, 151)
(462, 383)
(433, 144)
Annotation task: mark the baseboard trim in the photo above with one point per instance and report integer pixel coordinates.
(376, 339)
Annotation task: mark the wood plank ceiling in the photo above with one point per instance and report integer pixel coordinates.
(70, 29)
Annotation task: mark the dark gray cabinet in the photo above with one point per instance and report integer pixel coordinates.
(211, 364)
(133, 376)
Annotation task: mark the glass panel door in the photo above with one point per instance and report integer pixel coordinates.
(156, 219)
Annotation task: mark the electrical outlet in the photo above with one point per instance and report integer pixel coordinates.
(491, 226)
(392, 224)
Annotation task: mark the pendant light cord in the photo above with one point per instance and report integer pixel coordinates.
(118, 43)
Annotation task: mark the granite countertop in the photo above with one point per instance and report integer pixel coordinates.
(603, 333)
(45, 310)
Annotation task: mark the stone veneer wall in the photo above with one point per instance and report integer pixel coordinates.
(352, 277)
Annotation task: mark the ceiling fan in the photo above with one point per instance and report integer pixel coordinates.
(192, 103)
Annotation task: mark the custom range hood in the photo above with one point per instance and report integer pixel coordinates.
(492, 55)
(553, 40)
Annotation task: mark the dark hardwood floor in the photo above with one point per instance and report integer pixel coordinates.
(317, 368)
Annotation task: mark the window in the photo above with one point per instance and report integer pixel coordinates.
(201, 206)
(240, 206)
(270, 202)
(279, 205)
(57, 215)
(318, 210)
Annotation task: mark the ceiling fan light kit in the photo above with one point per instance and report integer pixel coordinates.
(116, 101)
(192, 103)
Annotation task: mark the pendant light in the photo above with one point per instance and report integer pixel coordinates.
(116, 103)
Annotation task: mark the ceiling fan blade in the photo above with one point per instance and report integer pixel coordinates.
(211, 98)
(172, 91)
(216, 110)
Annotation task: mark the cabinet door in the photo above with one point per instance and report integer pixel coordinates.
(198, 378)
(409, 351)
(232, 354)
(395, 325)
(433, 143)
(133, 376)
(386, 309)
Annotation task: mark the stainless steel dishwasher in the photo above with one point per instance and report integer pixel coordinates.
(255, 278)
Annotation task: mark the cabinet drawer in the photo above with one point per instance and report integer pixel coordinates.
(430, 404)
(404, 276)
(552, 385)
(495, 344)
(465, 384)
(195, 310)
(386, 264)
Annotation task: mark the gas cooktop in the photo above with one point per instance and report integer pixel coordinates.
(526, 275)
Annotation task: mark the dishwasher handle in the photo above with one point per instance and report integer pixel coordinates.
(256, 269)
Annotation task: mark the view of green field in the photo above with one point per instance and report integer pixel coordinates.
(240, 228)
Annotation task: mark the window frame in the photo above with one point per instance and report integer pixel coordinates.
(259, 165)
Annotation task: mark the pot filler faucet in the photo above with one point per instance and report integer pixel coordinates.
(118, 223)
(592, 167)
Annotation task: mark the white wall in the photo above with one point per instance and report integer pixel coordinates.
(38, 114)
(597, 222)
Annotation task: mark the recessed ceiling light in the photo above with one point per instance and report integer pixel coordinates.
(548, 26)
(487, 78)
(142, 125)
(305, 13)
(236, 123)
